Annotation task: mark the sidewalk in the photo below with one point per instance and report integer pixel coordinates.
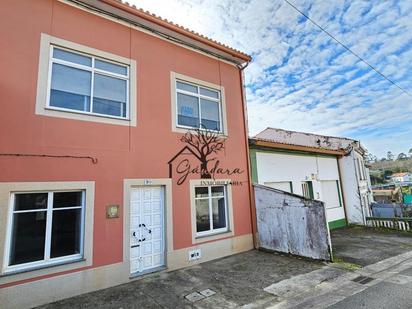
(255, 279)
(236, 281)
(365, 246)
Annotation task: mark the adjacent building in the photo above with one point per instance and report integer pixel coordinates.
(401, 177)
(330, 169)
(104, 177)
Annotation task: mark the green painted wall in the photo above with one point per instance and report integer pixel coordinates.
(407, 198)
(337, 224)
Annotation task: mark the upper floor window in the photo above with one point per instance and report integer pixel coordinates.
(87, 84)
(198, 106)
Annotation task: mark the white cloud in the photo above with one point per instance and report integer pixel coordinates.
(300, 79)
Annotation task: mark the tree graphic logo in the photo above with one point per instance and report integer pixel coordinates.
(204, 145)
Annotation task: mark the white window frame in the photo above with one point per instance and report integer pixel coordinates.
(93, 70)
(174, 78)
(43, 84)
(305, 189)
(213, 231)
(47, 261)
(198, 96)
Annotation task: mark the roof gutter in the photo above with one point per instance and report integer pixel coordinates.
(109, 8)
(155, 20)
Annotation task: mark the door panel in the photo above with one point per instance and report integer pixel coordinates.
(146, 228)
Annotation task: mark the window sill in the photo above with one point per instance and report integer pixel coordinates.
(180, 129)
(211, 237)
(7, 273)
(89, 117)
(90, 114)
(10, 276)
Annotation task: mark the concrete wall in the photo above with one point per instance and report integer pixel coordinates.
(356, 191)
(291, 224)
(297, 168)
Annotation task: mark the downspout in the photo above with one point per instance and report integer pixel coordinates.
(249, 175)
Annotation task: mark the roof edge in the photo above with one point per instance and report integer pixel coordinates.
(291, 147)
(170, 26)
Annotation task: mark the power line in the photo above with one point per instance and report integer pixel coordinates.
(348, 49)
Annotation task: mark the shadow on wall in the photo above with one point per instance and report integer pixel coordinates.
(291, 223)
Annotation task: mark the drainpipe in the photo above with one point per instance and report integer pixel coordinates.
(249, 174)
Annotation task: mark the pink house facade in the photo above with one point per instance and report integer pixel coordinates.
(123, 149)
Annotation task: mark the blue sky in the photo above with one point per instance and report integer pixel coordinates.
(300, 79)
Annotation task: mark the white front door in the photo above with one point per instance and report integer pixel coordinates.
(146, 229)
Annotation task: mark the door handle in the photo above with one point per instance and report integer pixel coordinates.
(144, 225)
(135, 246)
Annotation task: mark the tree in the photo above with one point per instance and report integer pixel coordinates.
(390, 156)
(410, 152)
(204, 143)
(402, 156)
(370, 158)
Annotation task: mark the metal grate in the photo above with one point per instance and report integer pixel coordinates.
(363, 279)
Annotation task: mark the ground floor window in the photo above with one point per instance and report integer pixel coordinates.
(281, 185)
(45, 228)
(211, 210)
(331, 193)
(307, 189)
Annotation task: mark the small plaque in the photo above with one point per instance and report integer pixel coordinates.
(112, 211)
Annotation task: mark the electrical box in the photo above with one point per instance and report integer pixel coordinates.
(195, 254)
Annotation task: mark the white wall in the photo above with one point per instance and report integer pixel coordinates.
(355, 190)
(283, 167)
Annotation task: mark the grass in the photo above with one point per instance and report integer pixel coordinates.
(340, 262)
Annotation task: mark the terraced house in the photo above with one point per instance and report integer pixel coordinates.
(123, 148)
(325, 168)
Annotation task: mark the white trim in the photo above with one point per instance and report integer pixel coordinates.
(44, 82)
(40, 268)
(93, 71)
(128, 184)
(47, 260)
(209, 198)
(218, 233)
(174, 78)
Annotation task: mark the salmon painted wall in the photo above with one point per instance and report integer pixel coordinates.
(123, 152)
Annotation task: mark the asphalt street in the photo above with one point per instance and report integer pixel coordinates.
(385, 295)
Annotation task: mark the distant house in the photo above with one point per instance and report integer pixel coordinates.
(401, 177)
(387, 195)
(330, 169)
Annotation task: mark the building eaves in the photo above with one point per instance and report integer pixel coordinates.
(270, 144)
(180, 34)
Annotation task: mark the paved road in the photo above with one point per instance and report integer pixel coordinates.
(385, 295)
